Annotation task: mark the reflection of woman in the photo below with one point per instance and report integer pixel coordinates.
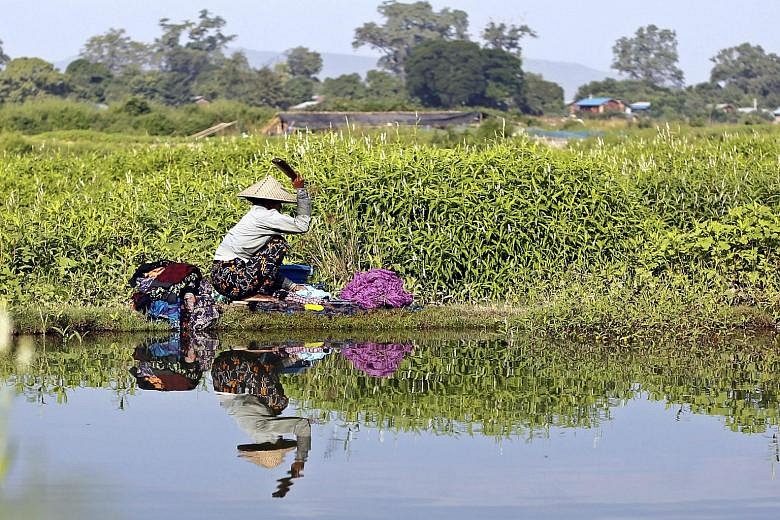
(247, 261)
(249, 389)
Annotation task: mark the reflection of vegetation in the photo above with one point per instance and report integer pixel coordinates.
(498, 388)
(100, 362)
(476, 386)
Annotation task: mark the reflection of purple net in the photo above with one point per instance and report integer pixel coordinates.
(377, 359)
(377, 288)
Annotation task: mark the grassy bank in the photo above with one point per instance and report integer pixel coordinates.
(607, 321)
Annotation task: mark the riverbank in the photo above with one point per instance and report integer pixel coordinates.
(573, 320)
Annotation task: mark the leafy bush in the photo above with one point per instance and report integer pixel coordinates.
(502, 220)
(743, 246)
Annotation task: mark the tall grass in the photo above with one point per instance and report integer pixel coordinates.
(507, 220)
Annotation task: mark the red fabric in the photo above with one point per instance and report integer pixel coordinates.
(175, 382)
(175, 273)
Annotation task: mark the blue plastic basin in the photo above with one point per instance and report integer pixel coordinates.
(297, 273)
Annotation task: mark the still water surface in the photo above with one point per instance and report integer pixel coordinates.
(129, 427)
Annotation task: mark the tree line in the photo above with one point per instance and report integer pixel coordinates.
(428, 60)
(191, 59)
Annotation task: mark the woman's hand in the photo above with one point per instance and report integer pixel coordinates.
(298, 182)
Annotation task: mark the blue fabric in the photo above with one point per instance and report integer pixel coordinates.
(166, 348)
(164, 310)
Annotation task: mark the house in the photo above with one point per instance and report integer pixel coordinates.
(288, 122)
(776, 113)
(597, 105)
(201, 101)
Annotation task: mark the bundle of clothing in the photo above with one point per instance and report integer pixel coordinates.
(377, 288)
(176, 363)
(176, 292)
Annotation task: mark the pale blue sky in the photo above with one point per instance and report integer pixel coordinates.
(569, 30)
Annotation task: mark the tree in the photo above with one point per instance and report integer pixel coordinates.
(628, 90)
(445, 74)
(348, 86)
(25, 78)
(4, 58)
(116, 51)
(269, 88)
(407, 25)
(185, 51)
(88, 80)
(503, 72)
(506, 37)
(302, 62)
(747, 71)
(541, 96)
(297, 90)
(651, 55)
(460, 73)
(381, 84)
(235, 79)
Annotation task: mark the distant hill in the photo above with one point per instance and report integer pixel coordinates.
(332, 64)
(568, 75)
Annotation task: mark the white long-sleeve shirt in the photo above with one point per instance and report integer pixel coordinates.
(255, 228)
(262, 426)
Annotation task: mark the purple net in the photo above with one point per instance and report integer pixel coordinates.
(377, 288)
(377, 359)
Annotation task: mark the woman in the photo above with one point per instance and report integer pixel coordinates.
(247, 261)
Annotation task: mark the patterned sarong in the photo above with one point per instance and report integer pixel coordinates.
(238, 279)
(241, 372)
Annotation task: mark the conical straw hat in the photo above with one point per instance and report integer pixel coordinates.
(266, 459)
(269, 189)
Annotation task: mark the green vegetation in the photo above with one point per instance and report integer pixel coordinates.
(460, 73)
(651, 56)
(467, 385)
(605, 240)
(134, 116)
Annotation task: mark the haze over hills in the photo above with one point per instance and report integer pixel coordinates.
(568, 75)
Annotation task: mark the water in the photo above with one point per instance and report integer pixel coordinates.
(427, 427)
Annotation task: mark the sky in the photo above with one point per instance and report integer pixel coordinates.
(569, 30)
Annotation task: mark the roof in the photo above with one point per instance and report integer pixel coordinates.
(593, 102)
(640, 105)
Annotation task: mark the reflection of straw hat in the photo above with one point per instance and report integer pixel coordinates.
(268, 189)
(266, 458)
